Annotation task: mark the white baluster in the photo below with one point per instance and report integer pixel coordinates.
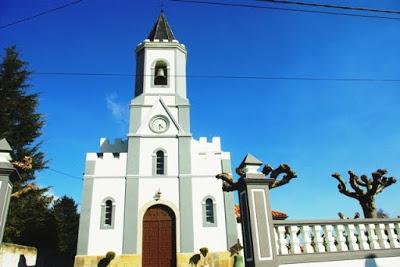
(340, 238)
(351, 237)
(382, 237)
(282, 240)
(276, 240)
(330, 239)
(397, 227)
(318, 239)
(306, 231)
(362, 237)
(393, 238)
(373, 238)
(294, 240)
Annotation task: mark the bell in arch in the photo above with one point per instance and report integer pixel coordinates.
(160, 77)
(160, 73)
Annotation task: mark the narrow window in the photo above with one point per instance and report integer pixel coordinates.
(209, 211)
(160, 73)
(108, 213)
(160, 162)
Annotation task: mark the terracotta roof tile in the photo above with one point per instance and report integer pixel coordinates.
(276, 215)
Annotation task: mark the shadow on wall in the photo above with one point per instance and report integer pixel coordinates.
(370, 261)
(22, 262)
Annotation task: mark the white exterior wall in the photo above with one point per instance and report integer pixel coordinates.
(147, 148)
(148, 187)
(212, 237)
(108, 165)
(109, 182)
(206, 163)
(169, 99)
(103, 240)
(10, 255)
(376, 262)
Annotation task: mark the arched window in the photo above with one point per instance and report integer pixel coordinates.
(209, 212)
(107, 214)
(160, 73)
(160, 162)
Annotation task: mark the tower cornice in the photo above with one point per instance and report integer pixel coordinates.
(161, 44)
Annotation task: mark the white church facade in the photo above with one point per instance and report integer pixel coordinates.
(153, 198)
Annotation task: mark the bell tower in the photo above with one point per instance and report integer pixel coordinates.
(161, 72)
(159, 138)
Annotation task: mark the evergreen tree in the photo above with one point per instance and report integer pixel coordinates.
(66, 220)
(30, 220)
(20, 123)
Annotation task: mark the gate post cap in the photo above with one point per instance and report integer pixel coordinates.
(250, 165)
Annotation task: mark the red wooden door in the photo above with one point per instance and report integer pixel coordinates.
(159, 244)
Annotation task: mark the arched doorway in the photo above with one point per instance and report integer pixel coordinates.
(159, 237)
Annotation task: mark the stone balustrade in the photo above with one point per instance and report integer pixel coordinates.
(322, 243)
(327, 236)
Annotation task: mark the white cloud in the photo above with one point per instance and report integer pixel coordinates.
(118, 110)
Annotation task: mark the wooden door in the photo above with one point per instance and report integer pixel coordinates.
(159, 238)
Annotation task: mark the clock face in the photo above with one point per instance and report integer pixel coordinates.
(159, 124)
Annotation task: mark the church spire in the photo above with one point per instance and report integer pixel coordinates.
(161, 29)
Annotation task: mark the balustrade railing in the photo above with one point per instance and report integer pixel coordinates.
(305, 237)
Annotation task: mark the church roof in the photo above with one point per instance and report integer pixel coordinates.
(161, 29)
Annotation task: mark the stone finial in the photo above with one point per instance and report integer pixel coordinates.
(250, 165)
(5, 150)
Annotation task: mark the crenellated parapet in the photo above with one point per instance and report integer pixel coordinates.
(119, 146)
(110, 161)
(209, 147)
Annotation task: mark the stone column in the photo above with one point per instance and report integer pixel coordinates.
(256, 215)
(6, 169)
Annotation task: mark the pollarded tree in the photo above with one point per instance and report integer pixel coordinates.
(274, 174)
(365, 189)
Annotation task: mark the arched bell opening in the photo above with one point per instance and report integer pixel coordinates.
(160, 73)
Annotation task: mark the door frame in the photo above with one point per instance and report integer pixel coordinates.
(141, 213)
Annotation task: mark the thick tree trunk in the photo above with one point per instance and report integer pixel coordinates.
(369, 207)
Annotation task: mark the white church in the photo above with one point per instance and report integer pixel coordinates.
(153, 198)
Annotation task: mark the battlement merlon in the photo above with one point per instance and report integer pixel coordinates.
(119, 146)
(213, 146)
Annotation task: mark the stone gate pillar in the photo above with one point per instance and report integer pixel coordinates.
(6, 169)
(256, 215)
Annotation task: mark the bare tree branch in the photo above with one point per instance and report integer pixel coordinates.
(274, 173)
(24, 190)
(267, 169)
(353, 183)
(342, 186)
(228, 184)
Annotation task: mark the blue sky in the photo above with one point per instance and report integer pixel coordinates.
(317, 127)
